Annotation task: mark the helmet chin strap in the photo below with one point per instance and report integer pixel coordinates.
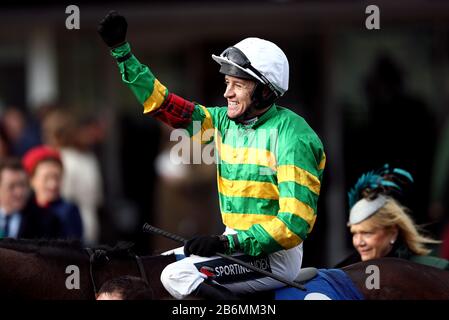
(257, 103)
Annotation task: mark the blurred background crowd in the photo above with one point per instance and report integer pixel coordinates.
(373, 96)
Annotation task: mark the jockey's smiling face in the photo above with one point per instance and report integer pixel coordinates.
(372, 242)
(238, 93)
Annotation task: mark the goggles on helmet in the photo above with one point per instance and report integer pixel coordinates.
(239, 58)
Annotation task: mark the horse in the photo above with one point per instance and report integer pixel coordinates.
(41, 269)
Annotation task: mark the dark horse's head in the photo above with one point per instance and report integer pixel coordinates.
(59, 269)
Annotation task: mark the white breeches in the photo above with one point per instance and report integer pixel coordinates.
(182, 277)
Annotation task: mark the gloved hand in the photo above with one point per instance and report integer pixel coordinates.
(206, 246)
(112, 29)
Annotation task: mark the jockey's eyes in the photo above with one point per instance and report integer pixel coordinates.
(236, 83)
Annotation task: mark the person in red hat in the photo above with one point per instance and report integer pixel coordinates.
(45, 170)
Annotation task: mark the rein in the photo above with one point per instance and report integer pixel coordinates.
(94, 254)
(91, 254)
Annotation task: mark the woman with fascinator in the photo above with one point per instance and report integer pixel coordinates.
(380, 225)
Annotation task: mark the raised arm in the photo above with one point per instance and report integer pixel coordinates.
(157, 101)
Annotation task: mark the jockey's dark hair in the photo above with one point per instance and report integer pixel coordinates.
(129, 287)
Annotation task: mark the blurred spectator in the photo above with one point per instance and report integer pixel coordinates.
(44, 167)
(22, 133)
(5, 145)
(193, 187)
(134, 200)
(399, 130)
(380, 225)
(125, 288)
(389, 232)
(82, 182)
(20, 218)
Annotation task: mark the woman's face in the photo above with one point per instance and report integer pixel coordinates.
(372, 242)
(46, 181)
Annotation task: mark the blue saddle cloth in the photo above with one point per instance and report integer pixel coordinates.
(331, 284)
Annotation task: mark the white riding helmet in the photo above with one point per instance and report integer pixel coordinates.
(258, 59)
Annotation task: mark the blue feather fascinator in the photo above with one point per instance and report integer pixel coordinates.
(386, 180)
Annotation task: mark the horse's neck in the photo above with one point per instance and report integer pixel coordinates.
(28, 275)
(31, 276)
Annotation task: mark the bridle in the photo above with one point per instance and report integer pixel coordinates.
(94, 254)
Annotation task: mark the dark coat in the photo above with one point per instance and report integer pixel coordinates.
(69, 217)
(38, 222)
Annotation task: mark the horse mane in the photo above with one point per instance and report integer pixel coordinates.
(65, 248)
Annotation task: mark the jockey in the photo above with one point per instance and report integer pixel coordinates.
(270, 166)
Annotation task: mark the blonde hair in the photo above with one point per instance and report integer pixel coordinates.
(392, 215)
